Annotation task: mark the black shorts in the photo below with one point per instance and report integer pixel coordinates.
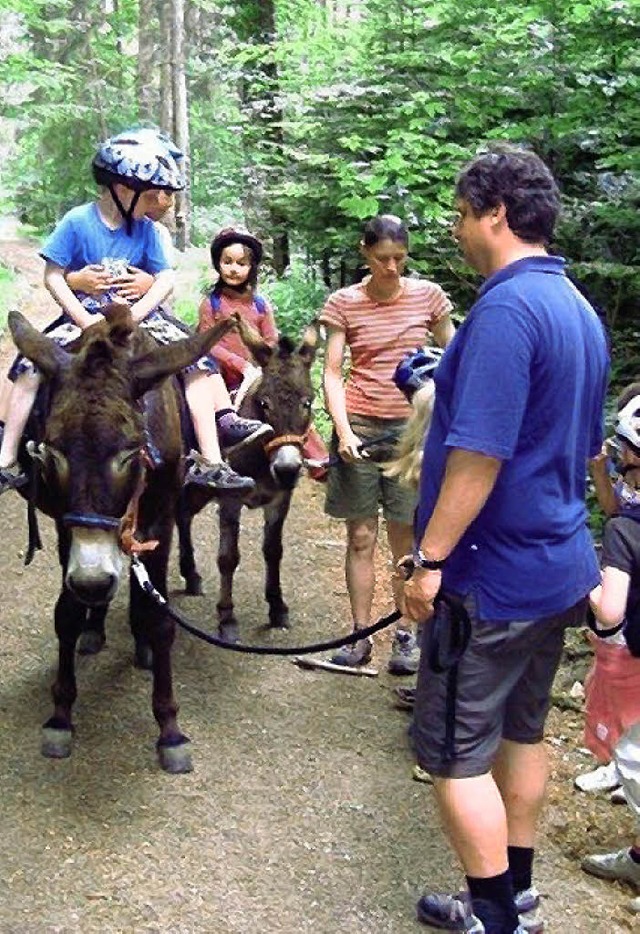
(504, 684)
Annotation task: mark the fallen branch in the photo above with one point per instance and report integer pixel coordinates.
(310, 663)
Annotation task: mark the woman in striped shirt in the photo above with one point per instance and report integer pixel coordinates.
(377, 320)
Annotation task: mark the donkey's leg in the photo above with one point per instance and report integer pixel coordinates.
(228, 560)
(274, 515)
(188, 569)
(57, 732)
(158, 630)
(93, 637)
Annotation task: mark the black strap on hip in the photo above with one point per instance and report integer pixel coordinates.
(447, 637)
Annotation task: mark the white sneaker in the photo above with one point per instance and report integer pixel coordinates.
(604, 778)
(618, 866)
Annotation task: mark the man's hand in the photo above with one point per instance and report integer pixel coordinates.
(419, 593)
(93, 280)
(133, 284)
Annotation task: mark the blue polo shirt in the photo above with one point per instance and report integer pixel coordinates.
(524, 381)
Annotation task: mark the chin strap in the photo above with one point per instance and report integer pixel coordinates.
(127, 213)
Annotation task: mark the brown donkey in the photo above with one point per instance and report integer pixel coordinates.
(282, 397)
(95, 480)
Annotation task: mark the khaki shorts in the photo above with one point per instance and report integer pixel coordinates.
(503, 692)
(356, 491)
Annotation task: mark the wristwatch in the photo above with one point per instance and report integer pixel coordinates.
(420, 560)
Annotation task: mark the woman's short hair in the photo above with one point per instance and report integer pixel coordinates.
(385, 227)
(520, 180)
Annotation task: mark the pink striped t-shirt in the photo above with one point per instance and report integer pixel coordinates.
(378, 334)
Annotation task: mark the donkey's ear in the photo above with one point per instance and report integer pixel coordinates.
(48, 356)
(153, 365)
(309, 344)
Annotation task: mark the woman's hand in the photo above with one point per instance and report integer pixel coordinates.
(419, 593)
(349, 448)
(133, 284)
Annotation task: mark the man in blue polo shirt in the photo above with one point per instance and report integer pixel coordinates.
(501, 523)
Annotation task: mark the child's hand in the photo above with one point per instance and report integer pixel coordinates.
(93, 279)
(133, 284)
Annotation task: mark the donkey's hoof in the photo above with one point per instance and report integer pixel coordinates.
(279, 621)
(91, 642)
(176, 759)
(143, 656)
(193, 585)
(56, 744)
(229, 632)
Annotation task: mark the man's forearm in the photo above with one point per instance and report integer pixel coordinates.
(468, 481)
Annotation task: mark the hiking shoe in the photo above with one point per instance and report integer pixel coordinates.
(12, 478)
(405, 654)
(217, 476)
(604, 778)
(236, 433)
(405, 698)
(618, 866)
(454, 912)
(354, 654)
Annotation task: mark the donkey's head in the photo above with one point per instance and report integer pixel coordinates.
(283, 398)
(92, 455)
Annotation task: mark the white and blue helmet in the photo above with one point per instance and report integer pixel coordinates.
(416, 368)
(139, 159)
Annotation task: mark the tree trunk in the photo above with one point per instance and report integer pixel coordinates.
(148, 28)
(180, 120)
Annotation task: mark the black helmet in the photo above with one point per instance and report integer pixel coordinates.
(416, 368)
(229, 235)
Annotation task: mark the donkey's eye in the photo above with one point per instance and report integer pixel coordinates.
(122, 461)
(264, 404)
(306, 404)
(55, 462)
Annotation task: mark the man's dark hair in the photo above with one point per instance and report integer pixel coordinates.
(385, 227)
(520, 180)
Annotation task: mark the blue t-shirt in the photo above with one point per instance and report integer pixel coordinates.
(82, 238)
(524, 381)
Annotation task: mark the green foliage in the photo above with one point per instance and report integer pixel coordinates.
(7, 293)
(297, 298)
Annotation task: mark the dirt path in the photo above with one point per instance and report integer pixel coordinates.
(301, 814)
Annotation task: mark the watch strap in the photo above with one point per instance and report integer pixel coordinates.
(420, 560)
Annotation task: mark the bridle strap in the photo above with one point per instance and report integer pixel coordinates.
(127, 526)
(297, 441)
(91, 520)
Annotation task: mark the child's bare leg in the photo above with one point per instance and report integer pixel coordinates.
(208, 469)
(201, 396)
(23, 396)
(233, 431)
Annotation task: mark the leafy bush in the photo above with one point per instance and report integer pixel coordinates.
(7, 292)
(297, 296)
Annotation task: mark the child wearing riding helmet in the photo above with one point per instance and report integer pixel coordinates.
(613, 686)
(95, 244)
(236, 255)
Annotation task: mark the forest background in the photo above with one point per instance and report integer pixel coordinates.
(302, 118)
